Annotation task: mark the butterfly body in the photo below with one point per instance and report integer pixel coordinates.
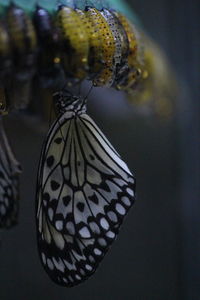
(84, 192)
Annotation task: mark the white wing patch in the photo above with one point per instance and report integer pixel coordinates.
(84, 191)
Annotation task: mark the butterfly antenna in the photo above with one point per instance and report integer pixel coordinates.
(79, 89)
(86, 97)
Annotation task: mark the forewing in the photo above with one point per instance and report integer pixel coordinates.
(86, 187)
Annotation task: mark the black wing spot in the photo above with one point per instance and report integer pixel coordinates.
(92, 157)
(105, 186)
(94, 199)
(46, 197)
(58, 140)
(66, 200)
(50, 161)
(81, 206)
(54, 185)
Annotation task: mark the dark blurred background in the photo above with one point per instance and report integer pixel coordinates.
(157, 254)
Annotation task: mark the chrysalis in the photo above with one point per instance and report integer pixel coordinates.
(84, 191)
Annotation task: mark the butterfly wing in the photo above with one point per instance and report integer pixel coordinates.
(68, 259)
(84, 191)
(9, 183)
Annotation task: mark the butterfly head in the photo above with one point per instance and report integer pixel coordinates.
(66, 101)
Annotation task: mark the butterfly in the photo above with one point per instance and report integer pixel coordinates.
(9, 183)
(84, 191)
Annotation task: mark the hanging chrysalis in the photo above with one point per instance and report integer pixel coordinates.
(84, 191)
(106, 75)
(54, 42)
(9, 183)
(74, 42)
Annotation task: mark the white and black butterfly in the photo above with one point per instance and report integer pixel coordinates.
(84, 190)
(9, 183)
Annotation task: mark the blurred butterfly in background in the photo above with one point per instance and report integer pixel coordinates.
(84, 191)
(9, 183)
